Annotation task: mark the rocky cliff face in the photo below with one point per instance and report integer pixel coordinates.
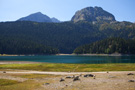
(92, 14)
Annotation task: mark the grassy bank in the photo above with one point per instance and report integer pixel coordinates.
(27, 85)
(4, 82)
(71, 67)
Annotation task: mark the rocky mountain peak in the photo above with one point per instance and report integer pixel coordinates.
(93, 14)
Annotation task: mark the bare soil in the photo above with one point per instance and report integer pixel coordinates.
(102, 81)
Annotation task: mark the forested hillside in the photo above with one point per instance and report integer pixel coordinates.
(65, 36)
(25, 47)
(108, 46)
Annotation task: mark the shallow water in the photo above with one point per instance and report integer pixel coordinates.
(72, 59)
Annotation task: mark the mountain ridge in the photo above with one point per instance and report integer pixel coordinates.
(66, 36)
(38, 17)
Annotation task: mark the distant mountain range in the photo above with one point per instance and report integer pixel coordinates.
(88, 25)
(90, 14)
(39, 17)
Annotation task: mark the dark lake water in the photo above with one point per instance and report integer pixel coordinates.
(72, 59)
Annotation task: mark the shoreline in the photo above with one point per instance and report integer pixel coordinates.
(18, 62)
(61, 54)
(98, 54)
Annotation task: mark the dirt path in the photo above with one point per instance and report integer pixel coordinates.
(62, 73)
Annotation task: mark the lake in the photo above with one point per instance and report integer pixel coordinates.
(80, 59)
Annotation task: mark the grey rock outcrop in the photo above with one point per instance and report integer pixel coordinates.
(93, 14)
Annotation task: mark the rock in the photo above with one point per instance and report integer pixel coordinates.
(69, 77)
(4, 71)
(46, 83)
(80, 75)
(76, 78)
(94, 77)
(66, 85)
(131, 81)
(89, 75)
(130, 74)
(85, 76)
(93, 14)
(62, 80)
(73, 76)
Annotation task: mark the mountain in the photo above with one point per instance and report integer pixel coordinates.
(93, 14)
(38, 17)
(65, 36)
(55, 20)
(108, 46)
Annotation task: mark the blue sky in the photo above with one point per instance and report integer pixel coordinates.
(11, 10)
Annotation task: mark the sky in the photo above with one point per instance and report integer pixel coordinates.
(11, 10)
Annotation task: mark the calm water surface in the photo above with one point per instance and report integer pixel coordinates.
(72, 59)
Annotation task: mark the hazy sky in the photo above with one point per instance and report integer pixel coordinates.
(11, 10)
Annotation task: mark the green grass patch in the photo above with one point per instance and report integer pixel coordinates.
(71, 67)
(5, 82)
(26, 85)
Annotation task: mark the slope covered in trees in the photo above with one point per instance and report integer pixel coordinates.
(20, 46)
(65, 36)
(108, 46)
